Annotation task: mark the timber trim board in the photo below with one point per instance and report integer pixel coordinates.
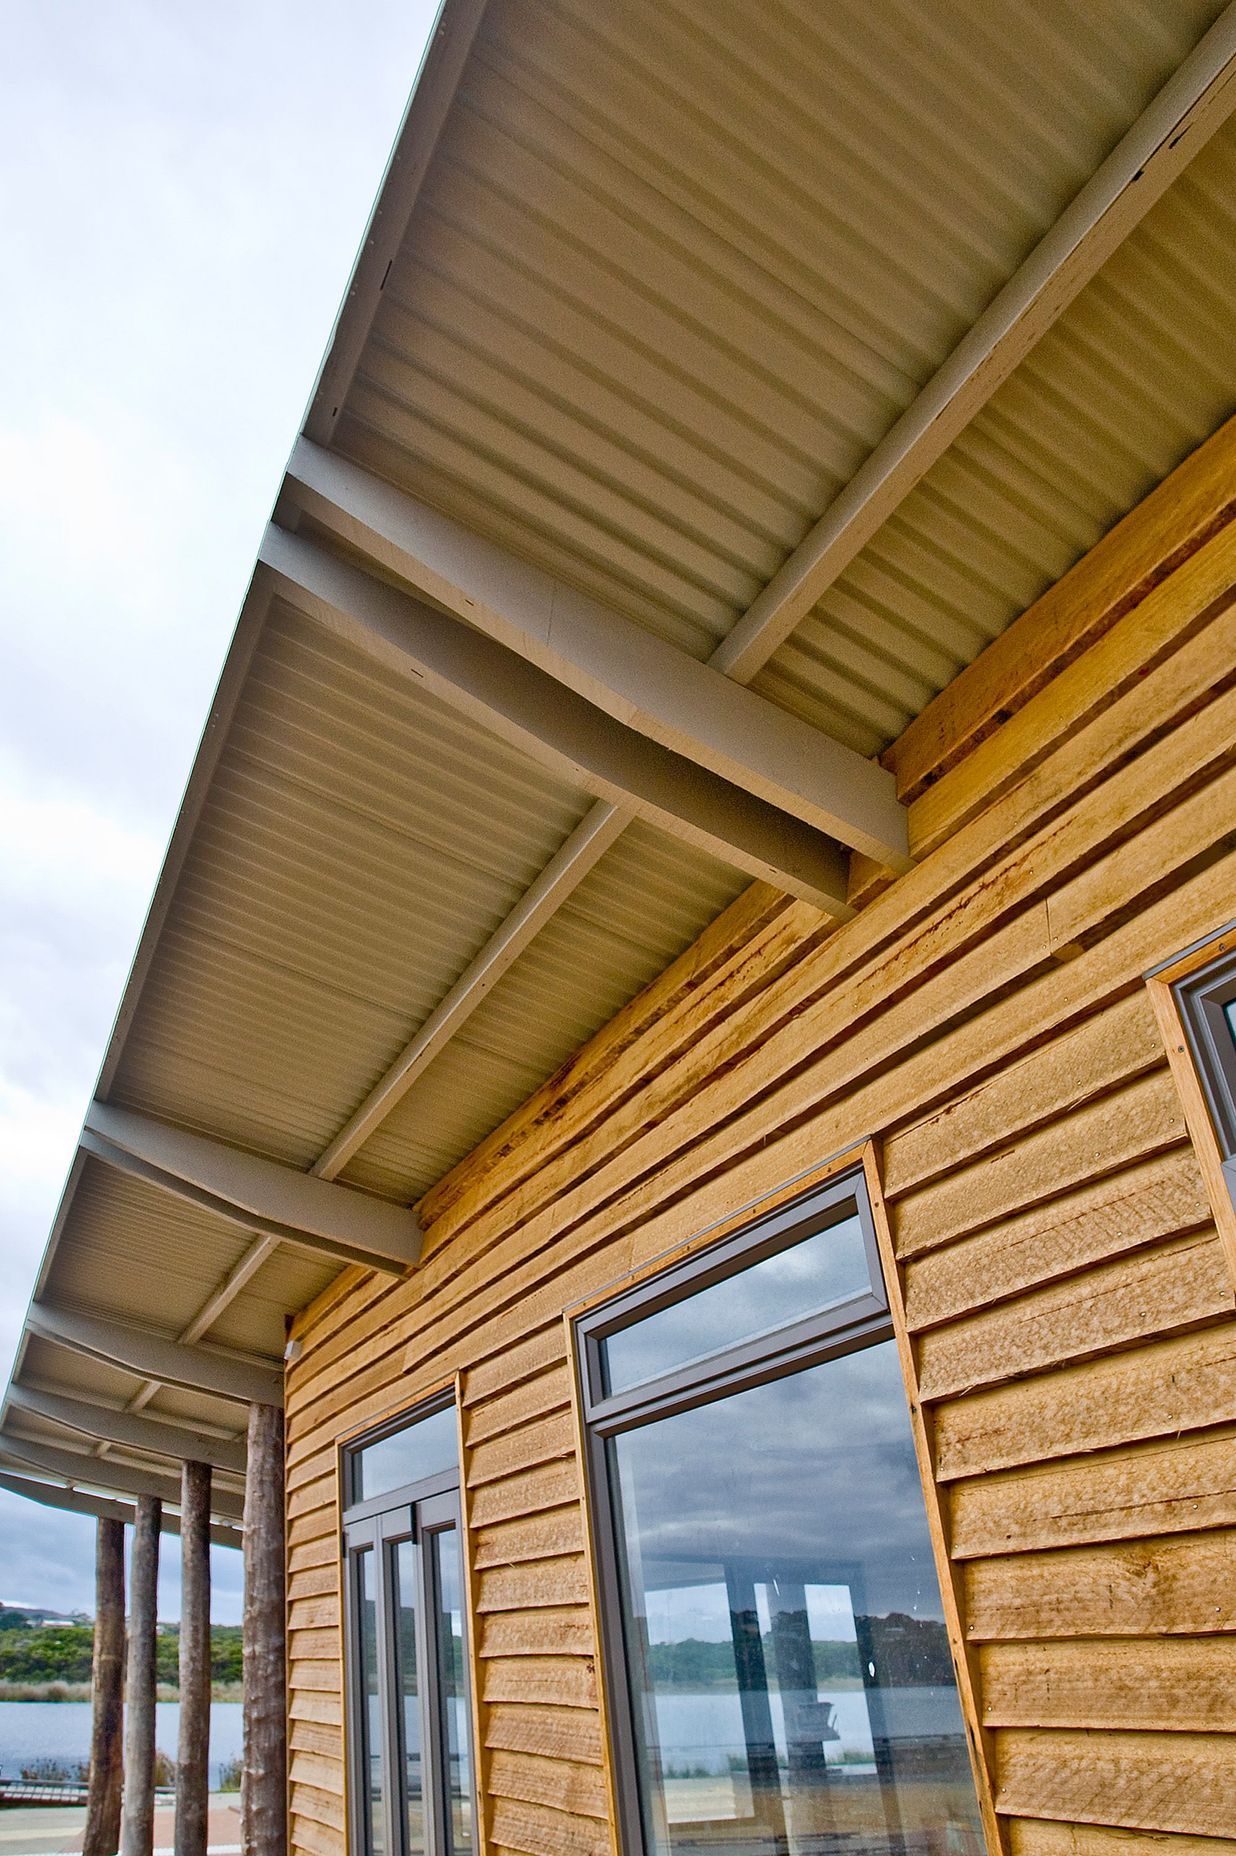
(979, 1738)
(1177, 518)
(1161, 985)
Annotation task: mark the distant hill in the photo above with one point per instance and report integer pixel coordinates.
(27, 1617)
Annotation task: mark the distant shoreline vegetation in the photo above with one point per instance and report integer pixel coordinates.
(906, 1652)
(51, 1662)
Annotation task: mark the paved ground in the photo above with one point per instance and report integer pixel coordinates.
(47, 1830)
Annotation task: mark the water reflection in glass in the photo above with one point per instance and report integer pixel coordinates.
(371, 1720)
(449, 1583)
(792, 1685)
(800, 1280)
(409, 1695)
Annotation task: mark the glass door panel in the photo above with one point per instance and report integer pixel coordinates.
(411, 1737)
(369, 1722)
(453, 1694)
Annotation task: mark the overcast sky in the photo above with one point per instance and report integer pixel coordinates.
(182, 190)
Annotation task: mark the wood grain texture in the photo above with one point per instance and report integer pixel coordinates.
(1175, 1585)
(1068, 1340)
(1173, 1684)
(1173, 1483)
(1041, 1837)
(1158, 1390)
(1142, 1781)
(1147, 547)
(101, 1836)
(1123, 1211)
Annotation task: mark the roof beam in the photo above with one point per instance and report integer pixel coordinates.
(255, 1193)
(153, 1356)
(619, 667)
(156, 1435)
(579, 852)
(525, 706)
(75, 1501)
(111, 1476)
(1194, 102)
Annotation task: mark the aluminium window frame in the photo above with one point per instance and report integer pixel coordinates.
(417, 1512)
(845, 1326)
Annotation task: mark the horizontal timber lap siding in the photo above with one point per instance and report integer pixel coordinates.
(1068, 1300)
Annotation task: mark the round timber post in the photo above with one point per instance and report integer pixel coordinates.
(263, 1804)
(102, 1836)
(137, 1827)
(193, 1748)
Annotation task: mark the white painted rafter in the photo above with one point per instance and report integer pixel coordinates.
(1189, 108)
(158, 1436)
(1195, 102)
(624, 671)
(101, 1507)
(525, 706)
(151, 1355)
(253, 1192)
(113, 1477)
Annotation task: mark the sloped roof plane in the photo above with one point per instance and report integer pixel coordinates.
(807, 348)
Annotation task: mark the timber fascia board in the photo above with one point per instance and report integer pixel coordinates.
(505, 693)
(103, 1423)
(622, 669)
(152, 1355)
(252, 1192)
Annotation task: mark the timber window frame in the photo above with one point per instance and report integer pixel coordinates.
(391, 1544)
(746, 1363)
(1204, 999)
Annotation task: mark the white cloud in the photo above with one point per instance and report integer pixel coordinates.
(183, 190)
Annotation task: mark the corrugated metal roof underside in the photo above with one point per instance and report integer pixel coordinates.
(1136, 373)
(133, 1253)
(360, 843)
(644, 903)
(670, 279)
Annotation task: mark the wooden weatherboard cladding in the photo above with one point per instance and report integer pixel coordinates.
(1066, 1303)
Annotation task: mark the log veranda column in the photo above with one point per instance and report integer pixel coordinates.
(137, 1826)
(264, 1782)
(193, 1747)
(102, 1836)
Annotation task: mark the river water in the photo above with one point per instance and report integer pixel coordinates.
(60, 1730)
(700, 1731)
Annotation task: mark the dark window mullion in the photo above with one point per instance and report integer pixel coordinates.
(753, 1363)
(428, 1691)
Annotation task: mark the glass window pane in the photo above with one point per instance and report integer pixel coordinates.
(455, 1725)
(791, 1682)
(370, 1714)
(418, 1450)
(829, 1266)
(409, 1696)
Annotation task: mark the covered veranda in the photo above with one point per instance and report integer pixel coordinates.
(630, 524)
